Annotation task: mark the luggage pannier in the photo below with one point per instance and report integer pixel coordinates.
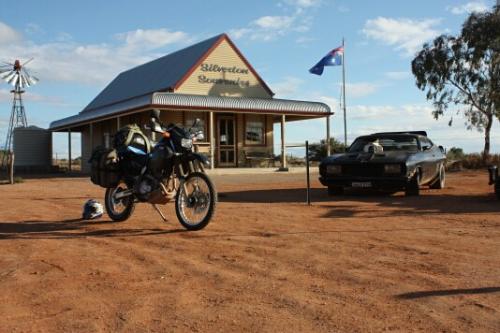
(105, 167)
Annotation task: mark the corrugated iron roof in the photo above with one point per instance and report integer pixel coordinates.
(171, 101)
(158, 75)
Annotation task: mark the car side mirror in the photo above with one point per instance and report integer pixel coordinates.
(442, 149)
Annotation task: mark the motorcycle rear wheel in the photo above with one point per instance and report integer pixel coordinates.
(195, 201)
(118, 210)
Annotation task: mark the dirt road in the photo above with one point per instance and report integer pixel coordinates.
(267, 263)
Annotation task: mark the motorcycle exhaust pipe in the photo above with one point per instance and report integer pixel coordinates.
(493, 170)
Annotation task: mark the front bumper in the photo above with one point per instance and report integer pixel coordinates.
(379, 183)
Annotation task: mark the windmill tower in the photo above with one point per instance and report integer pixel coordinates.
(17, 75)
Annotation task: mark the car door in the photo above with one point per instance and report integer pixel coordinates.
(427, 160)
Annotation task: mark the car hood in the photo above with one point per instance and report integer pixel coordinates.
(386, 157)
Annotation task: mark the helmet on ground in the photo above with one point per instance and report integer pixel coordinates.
(92, 210)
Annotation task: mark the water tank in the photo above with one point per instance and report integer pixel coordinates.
(32, 148)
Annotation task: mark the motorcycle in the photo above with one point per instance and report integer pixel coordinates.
(171, 171)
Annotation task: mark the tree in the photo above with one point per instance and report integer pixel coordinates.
(465, 71)
(317, 151)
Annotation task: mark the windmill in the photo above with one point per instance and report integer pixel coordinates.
(17, 75)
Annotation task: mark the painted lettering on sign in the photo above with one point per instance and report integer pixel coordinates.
(213, 68)
(222, 69)
(237, 82)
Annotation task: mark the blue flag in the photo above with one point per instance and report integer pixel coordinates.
(333, 58)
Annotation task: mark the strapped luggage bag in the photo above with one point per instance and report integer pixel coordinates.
(105, 167)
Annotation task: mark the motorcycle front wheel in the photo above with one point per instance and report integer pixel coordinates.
(118, 209)
(195, 201)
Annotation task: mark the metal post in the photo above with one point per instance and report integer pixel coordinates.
(11, 167)
(343, 93)
(283, 148)
(118, 125)
(328, 148)
(308, 192)
(69, 149)
(212, 141)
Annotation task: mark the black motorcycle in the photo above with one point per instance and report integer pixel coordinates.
(170, 170)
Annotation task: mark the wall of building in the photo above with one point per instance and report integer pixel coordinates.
(223, 73)
(32, 148)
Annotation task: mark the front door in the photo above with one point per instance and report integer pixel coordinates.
(226, 143)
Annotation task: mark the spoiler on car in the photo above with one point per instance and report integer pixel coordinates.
(424, 133)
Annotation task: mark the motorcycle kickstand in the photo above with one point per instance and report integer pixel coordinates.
(159, 212)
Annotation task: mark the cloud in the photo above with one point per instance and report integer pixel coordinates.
(95, 64)
(151, 39)
(303, 3)
(406, 35)
(469, 7)
(399, 75)
(8, 34)
(360, 89)
(288, 88)
(6, 97)
(274, 22)
(271, 27)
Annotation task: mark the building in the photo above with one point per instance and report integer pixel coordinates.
(210, 80)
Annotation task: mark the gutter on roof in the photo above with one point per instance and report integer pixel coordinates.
(182, 102)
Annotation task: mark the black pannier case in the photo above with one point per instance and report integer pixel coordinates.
(105, 167)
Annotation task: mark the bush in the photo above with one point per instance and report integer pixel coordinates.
(317, 151)
(471, 161)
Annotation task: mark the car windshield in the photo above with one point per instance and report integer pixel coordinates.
(388, 143)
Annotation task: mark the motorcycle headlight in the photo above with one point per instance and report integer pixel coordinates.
(187, 143)
(334, 169)
(392, 168)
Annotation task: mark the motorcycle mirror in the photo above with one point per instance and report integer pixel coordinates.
(155, 114)
(200, 136)
(196, 123)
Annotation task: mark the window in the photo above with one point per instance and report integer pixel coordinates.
(255, 129)
(190, 117)
(425, 143)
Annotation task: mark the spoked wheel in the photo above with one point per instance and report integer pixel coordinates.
(118, 209)
(195, 201)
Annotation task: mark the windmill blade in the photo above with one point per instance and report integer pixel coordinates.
(4, 77)
(29, 78)
(24, 83)
(14, 79)
(9, 76)
(5, 70)
(33, 79)
(27, 62)
(8, 63)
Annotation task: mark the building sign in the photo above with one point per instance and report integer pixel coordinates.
(213, 68)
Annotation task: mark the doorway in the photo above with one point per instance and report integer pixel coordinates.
(226, 143)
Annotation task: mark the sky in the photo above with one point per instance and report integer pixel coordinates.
(80, 46)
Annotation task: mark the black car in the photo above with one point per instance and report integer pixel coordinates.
(495, 179)
(391, 162)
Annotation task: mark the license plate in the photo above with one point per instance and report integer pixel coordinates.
(361, 184)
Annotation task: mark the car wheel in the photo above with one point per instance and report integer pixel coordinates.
(440, 181)
(413, 186)
(335, 190)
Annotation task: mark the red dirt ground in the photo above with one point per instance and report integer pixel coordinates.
(266, 263)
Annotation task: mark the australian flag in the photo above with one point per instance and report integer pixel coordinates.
(333, 58)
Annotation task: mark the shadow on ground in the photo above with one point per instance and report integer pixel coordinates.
(448, 292)
(426, 203)
(72, 228)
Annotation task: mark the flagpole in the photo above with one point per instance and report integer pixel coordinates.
(343, 92)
